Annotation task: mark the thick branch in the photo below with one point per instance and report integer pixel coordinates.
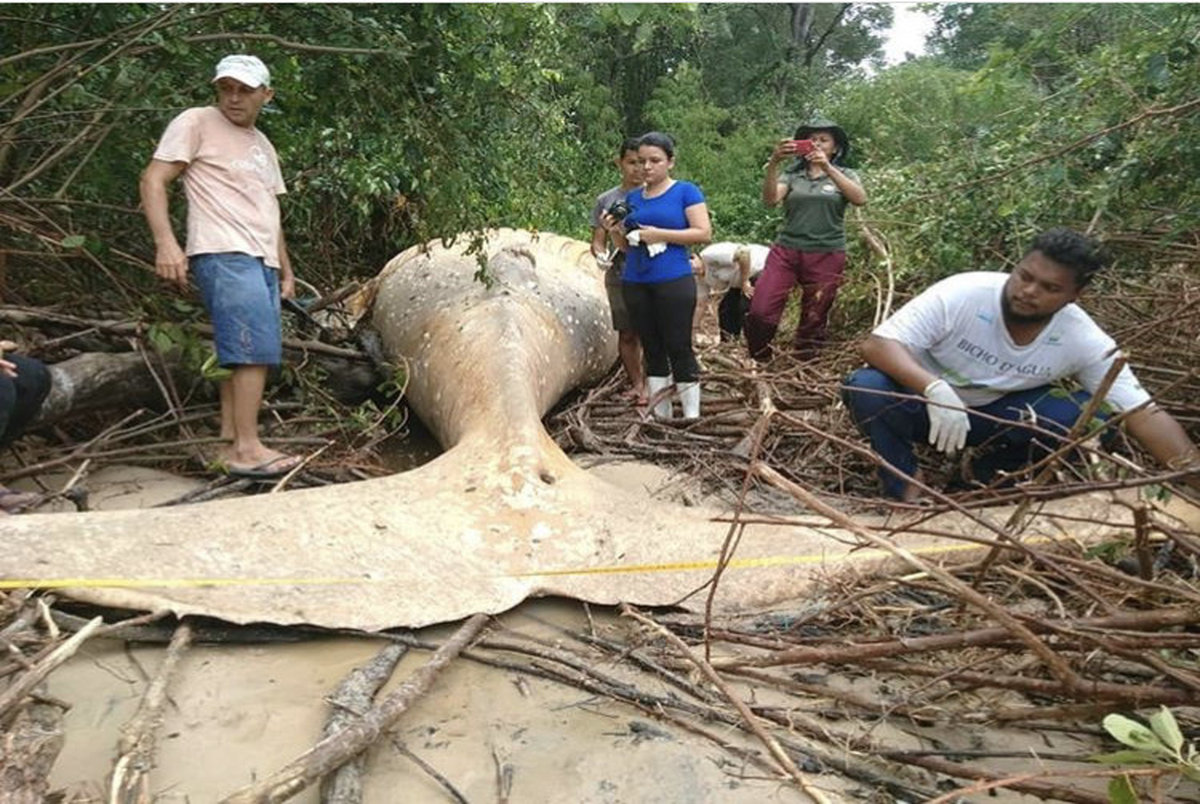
(334, 751)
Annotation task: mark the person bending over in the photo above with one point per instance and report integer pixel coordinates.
(980, 346)
(726, 272)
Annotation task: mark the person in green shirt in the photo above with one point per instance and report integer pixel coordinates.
(810, 249)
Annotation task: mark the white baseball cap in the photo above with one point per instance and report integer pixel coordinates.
(248, 69)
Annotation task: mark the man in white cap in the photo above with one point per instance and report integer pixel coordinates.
(235, 245)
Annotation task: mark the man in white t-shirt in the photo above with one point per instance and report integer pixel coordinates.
(235, 246)
(725, 271)
(984, 344)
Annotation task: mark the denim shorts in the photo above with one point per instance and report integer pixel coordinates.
(242, 297)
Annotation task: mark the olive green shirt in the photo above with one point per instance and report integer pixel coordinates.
(813, 211)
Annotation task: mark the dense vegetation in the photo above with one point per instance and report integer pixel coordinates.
(398, 123)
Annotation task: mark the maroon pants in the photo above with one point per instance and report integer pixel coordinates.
(819, 275)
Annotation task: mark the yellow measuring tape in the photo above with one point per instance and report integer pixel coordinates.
(676, 566)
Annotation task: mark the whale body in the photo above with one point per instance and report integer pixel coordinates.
(500, 515)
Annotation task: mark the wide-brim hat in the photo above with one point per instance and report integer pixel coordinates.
(840, 138)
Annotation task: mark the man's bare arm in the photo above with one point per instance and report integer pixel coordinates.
(599, 241)
(169, 260)
(742, 258)
(1164, 438)
(287, 279)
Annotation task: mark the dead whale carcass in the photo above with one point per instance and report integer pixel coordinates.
(488, 359)
(501, 515)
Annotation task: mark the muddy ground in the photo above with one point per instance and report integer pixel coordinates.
(238, 712)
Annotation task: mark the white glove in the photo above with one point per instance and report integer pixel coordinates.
(634, 238)
(948, 421)
(654, 249)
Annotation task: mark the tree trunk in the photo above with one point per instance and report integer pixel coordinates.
(101, 381)
(802, 18)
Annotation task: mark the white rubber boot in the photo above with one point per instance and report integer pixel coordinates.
(663, 409)
(689, 399)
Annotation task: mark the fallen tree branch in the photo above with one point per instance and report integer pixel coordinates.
(348, 703)
(962, 590)
(781, 756)
(131, 774)
(334, 751)
(839, 654)
(33, 317)
(15, 694)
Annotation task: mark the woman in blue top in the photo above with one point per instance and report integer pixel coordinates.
(666, 217)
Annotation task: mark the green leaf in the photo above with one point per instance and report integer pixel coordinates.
(1125, 758)
(161, 340)
(1120, 791)
(1133, 734)
(73, 241)
(1164, 725)
(629, 12)
(211, 370)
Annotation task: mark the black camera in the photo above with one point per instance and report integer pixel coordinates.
(618, 210)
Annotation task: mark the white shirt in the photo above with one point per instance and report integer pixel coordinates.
(720, 270)
(956, 330)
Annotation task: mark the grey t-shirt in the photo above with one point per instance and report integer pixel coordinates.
(605, 200)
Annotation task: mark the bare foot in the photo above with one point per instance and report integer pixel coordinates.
(634, 396)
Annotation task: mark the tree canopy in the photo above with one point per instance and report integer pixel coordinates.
(398, 123)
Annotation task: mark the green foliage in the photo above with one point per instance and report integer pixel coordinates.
(1121, 791)
(400, 123)
(409, 122)
(193, 352)
(1161, 745)
(1034, 117)
(213, 371)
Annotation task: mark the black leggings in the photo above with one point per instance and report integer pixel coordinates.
(662, 315)
(21, 397)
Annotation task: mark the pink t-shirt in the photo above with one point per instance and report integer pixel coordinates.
(231, 182)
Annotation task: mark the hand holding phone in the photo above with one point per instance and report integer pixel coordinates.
(802, 147)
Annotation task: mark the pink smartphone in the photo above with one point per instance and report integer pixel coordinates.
(801, 147)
